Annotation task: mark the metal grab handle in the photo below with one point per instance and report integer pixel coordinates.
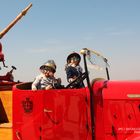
(47, 110)
(18, 135)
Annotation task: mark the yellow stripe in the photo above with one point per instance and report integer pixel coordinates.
(133, 95)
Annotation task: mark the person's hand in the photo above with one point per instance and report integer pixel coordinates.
(72, 79)
(34, 87)
(48, 87)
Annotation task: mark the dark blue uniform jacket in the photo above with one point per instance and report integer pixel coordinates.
(72, 72)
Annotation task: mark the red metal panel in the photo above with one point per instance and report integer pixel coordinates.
(98, 111)
(26, 131)
(120, 109)
(66, 117)
(27, 114)
(121, 90)
(50, 115)
(135, 136)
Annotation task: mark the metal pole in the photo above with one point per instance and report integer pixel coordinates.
(23, 13)
(91, 99)
(108, 78)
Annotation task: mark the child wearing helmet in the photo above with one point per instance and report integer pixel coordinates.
(73, 69)
(46, 79)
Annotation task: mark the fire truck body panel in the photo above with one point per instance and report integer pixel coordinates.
(65, 113)
(53, 114)
(117, 109)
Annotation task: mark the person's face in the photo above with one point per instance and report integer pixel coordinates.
(75, 60)
(51, 74)
(48, 73)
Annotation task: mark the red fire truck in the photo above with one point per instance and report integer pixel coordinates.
(103, 110)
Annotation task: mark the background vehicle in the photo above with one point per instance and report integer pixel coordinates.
(6, 84)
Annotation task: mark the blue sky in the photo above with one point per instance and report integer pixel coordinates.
(54, 28)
